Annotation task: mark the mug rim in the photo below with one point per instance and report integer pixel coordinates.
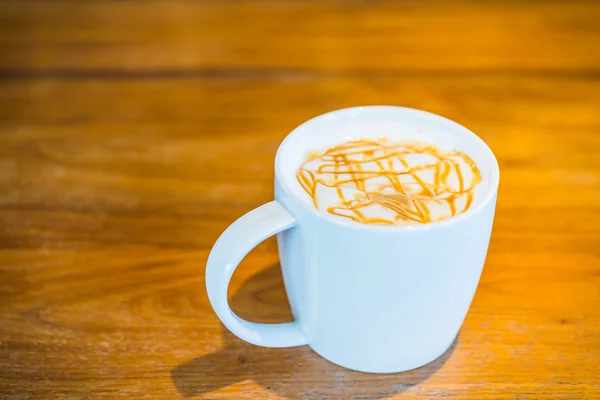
(394, 228)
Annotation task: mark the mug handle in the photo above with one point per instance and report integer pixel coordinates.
(229, 250)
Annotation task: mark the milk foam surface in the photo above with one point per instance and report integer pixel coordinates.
(382, 182)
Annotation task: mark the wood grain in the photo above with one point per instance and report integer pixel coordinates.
(325, 36)
(131, 136)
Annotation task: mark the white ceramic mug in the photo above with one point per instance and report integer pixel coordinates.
(366, 297)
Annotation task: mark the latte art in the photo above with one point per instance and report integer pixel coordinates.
(375, 181)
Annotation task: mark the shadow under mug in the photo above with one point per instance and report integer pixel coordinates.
(366, 297)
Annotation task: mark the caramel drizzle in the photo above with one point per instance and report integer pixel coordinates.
(353, 164)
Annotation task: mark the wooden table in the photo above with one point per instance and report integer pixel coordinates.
(132, 133)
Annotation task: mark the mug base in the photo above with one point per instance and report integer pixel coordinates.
(387, 368)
